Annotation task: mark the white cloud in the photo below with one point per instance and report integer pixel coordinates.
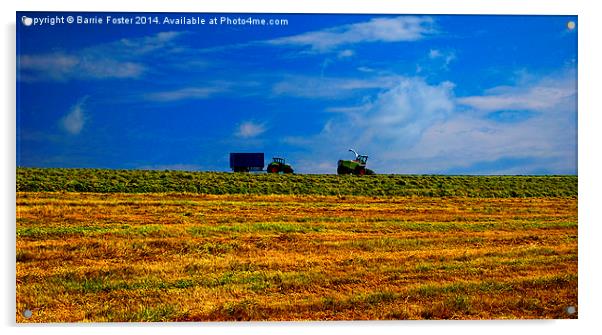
(466, 140)
(329, 87)
(445, 56)
(397, 116)
(206, 90)
(119, 59)
(389, 124)
(365, 69)
(539, 95)
(436, 60)
(352, 109)
(73, 122)
(250, 129)
(63, 67)
(417, 127)
(346, 53)
(184, 94)
(396, 29)
(144, 45)
(544, 141)
(434, 53)
(547, 140)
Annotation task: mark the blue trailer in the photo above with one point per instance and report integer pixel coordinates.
(246, 162)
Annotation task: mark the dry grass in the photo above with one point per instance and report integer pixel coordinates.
(185, 257)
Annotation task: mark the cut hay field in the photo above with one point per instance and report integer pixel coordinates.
(197, 257)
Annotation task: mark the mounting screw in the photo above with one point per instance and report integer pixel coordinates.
(571, 310)
(570, 25)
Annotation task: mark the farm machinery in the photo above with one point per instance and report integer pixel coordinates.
(279, 165)
(246, 162)
(356, 166)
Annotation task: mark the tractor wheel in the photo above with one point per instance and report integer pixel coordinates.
(360, 171)
(273, 169)
(341, 170)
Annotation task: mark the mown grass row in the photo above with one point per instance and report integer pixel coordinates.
(140, 181)
(277, 227)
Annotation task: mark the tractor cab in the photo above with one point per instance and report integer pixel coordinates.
(362, 159)
(278, 165)
(356, 166)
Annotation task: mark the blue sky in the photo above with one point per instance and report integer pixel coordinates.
(417, 93)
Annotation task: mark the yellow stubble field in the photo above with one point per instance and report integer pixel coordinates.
(92, 257)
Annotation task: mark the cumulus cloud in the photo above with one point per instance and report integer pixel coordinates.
(466, 142)
(396, 117)
(545, 140)
(417, 127)
(387, 125)
(250, 129)
(390, 29)
(73, 122)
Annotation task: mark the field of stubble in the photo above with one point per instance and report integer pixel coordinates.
(195, 257)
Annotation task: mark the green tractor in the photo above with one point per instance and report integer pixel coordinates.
(278, 165)
(356, 166)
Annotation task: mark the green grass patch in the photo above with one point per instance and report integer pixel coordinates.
(160, 313)
(384, 244)
(143, 181)
(55, 231)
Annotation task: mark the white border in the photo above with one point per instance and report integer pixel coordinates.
(590, 109)
(315, 6)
